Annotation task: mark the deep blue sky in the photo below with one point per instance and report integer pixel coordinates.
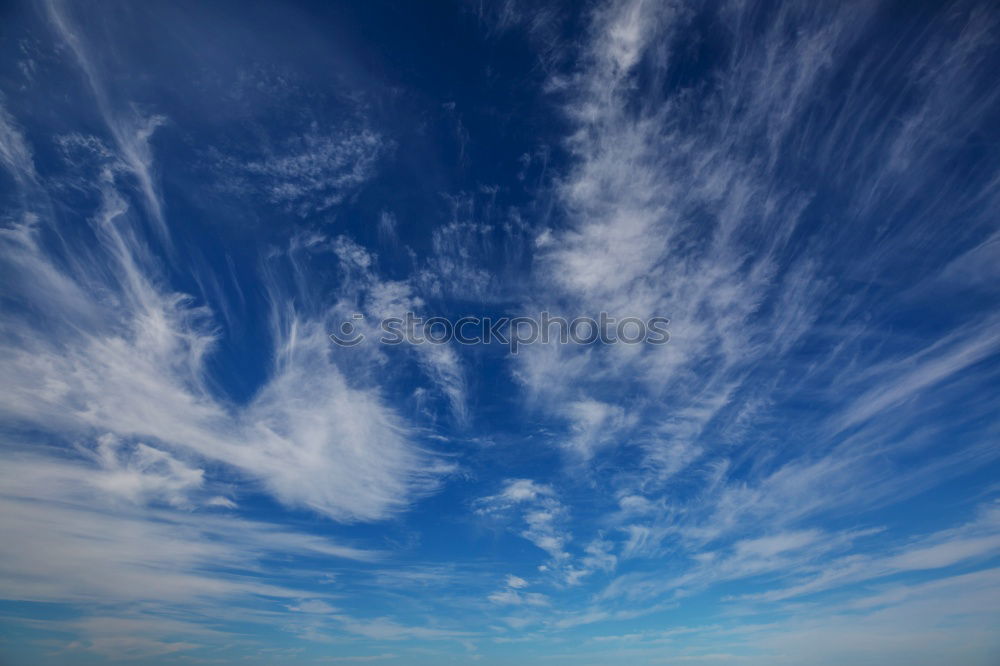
(193, 196)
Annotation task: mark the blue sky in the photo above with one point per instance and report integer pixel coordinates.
(194, 196)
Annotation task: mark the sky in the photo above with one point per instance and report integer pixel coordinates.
(195, 196)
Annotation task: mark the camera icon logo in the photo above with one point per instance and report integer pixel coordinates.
(349, 335)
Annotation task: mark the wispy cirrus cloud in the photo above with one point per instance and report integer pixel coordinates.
(685, 210)
(794, 186)
(136, 369)
(540, 510)
(130, 129)
(307, 173)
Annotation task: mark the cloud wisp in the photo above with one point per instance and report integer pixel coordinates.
(197, 202)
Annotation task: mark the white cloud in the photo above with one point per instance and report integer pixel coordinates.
(385, 299)
(516, 582)
(684, 196)
(313, 606)
(383, 628)
(594, 425)
(142, 472)
(62, 517)
(923, 623)
(310, 172)
(515, 598)
(15, 153)
(677, 202)
(542, 515)
(130, 129)
(127, 356)
(906, 378)
(361, 658)
(973, 542)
